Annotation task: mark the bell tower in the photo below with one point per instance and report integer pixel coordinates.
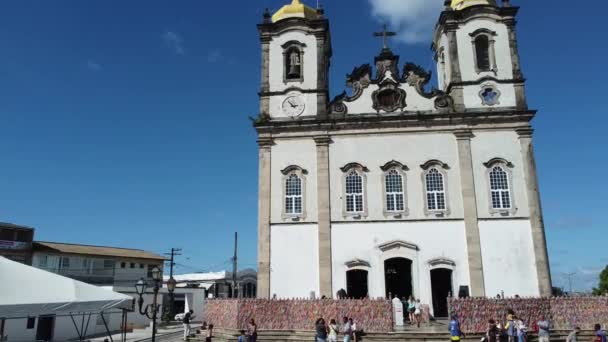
(477, 58)
(296, 53)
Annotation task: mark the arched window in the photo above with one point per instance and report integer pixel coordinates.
(393, 185)
(294, 192)
(499, 188)
(354, 192)
(482, 53)
(293, 64)
(435, 190)
(293, 195)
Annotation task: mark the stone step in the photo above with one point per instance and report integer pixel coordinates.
(222, 335)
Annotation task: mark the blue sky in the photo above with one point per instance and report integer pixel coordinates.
(124, 123)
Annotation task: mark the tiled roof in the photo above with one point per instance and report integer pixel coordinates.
(96, 250)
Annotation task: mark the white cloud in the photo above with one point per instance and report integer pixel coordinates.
(174, 42)
(214, 56)
(414, 20)
(94, 66)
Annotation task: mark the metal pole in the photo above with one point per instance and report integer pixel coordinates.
(234, 264)
(174, 252)
(155, 310)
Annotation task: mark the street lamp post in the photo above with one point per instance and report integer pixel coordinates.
(150, 311)
(171, 283)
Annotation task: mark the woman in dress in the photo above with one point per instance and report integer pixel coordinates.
(333, 331)
(252, 331)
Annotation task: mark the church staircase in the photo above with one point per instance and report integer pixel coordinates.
(425, 335)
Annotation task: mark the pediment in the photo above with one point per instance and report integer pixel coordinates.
(442, 261)
(396, 244)
(357, 263)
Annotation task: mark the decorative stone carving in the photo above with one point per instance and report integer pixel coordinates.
(418, 78)
(495, 161)
(357, 80)
(489, 95)
(350, 166)
(292, 168)
(394, 164)
(434, 162)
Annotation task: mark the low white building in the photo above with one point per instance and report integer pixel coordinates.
(219, 284)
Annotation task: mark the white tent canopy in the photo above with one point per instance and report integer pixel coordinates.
(27, 291)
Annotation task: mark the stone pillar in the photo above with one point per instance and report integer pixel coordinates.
(265, 84)
(265, 152)
(322, 77)
(324, 216)
(455, 86)
(536, 216)
(469, 202)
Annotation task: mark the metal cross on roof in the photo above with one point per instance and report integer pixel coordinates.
(385, 34)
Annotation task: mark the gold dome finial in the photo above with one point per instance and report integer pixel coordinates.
(458, 5)
(295, 10)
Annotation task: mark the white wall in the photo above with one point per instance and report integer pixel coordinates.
(294, 258)
(508, 258)
(411, 149)
(303, 153)
(435, 239)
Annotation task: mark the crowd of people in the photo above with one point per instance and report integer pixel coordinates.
(346, 331)
(515, 330)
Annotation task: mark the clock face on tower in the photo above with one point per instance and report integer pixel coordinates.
(293, 105)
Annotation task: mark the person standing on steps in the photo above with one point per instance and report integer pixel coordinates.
(573, 336)
(600, 335)
(543, 329)
(186, 322)
(333, 331)
(454, 328)
(321, 330)
(252, 331)
(418, 312)
(346, 330)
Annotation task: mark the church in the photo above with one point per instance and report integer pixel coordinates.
(394, 188)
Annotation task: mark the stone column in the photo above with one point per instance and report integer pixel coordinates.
(324, 216)
(265, 149)
(536, 217)
(469, 203)
(519, 85)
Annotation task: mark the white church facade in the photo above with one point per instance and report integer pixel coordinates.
(392, 189)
